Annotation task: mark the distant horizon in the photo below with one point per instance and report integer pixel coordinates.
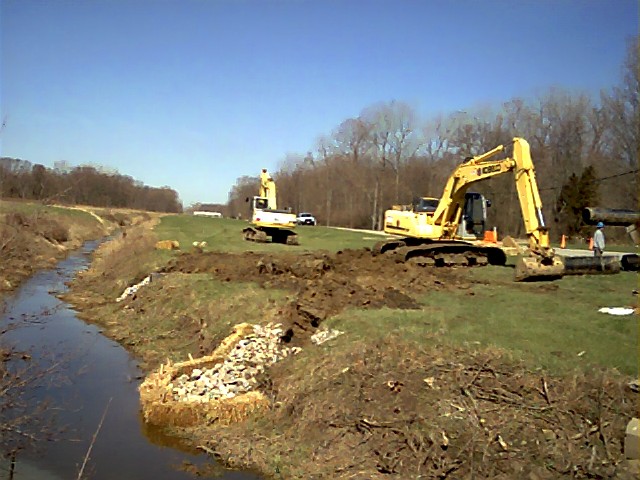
(193, 95)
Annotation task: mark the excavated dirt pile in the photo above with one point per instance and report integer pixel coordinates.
(323, 284)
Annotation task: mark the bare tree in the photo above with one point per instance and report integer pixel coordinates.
(622, 134)
(382, 156)
(352, 140)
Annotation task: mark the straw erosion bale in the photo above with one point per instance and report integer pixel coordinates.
(168, 245)
(216, 388)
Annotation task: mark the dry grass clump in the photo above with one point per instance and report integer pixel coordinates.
(124, 217)
(43, 225)
(120, 262)
(27, 244)
(393, 410)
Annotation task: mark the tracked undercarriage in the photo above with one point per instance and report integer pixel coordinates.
(441, 253)
(458, 253)
(277, 235)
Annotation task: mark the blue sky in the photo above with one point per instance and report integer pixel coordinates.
(196, 93)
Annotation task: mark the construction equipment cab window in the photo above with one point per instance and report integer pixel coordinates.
(425, 204)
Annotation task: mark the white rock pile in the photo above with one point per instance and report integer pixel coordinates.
(322, 336)
(238, 373)
(134, 288)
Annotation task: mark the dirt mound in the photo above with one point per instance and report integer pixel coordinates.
(323, 284)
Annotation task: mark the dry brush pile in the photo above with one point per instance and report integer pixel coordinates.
(395, 411)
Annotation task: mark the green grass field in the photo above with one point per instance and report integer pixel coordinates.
(224, 234)
(553, 325)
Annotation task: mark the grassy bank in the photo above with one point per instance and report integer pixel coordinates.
(555, 326)
(475, 375)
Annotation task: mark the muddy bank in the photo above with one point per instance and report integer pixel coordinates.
(391, 408)
(41, 237)
(323, 284)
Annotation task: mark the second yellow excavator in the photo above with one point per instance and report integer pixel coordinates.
(267, 221)
(432, 232)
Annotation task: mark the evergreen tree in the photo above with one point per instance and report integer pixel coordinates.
(576, 194)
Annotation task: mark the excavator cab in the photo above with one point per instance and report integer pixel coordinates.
(474, 215)
(260, 203)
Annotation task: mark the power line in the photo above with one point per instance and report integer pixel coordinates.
(600, 179)
(620, 174)
(597, 180)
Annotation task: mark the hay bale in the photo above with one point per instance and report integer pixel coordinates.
(168, 245)
(160, 408)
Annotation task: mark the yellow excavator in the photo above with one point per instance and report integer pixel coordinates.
(440, 231)
(266, 219)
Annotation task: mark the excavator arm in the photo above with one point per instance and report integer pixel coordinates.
(541, 261)
(487, 165)
(268, 189)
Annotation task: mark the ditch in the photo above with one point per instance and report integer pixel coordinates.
(77, 391)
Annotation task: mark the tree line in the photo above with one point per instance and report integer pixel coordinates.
(84, 185)
(585, 151)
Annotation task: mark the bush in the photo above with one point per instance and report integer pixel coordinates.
(17, 219)
(53, 231)
(41, 225)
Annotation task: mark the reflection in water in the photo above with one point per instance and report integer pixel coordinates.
(91, 373)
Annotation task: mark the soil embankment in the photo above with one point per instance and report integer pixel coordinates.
(37, 237)
(385, 408)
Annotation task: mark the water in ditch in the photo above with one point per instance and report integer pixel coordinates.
(80, 395)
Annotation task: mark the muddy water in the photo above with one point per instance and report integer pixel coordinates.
(91, 377)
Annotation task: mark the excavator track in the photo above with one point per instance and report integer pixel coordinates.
(254, 235)
(278, 235)
(442, 254)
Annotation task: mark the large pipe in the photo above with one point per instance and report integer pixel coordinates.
(630, 262)
(590, 265)
(610, 217)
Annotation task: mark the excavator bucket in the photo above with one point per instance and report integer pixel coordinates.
(536, 269)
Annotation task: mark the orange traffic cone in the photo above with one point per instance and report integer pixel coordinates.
(591, 244)
(563, 242)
